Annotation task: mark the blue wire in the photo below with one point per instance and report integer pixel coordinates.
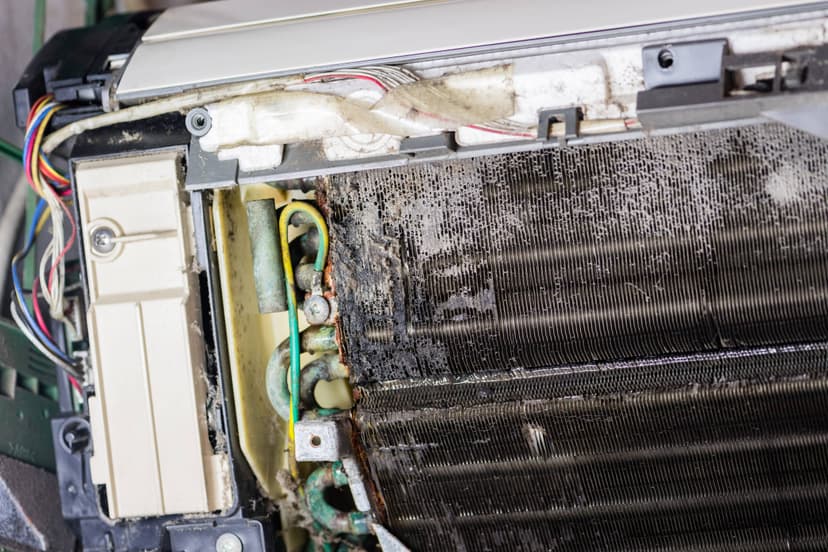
(18, 287)
(27, 143)
(27, 149)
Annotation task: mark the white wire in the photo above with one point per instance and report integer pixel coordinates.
(24, 329)
(52, 258)
(169, 104)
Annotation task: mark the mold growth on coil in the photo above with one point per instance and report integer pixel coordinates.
(640, 248)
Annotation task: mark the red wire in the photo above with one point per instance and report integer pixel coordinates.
(52, 174)
(35, 304)
(38, 314)
(385, 88)
(65, 249)
(348, 76)
(45, 328)
(34, 108)
(503, 132)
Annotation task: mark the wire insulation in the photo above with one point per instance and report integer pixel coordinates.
(293, 319)
(52, 189)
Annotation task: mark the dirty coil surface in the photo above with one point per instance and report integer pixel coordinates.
(616, 346)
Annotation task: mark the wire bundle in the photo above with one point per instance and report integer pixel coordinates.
(387, 77)
(53, 189)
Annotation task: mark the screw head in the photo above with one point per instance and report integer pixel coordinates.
(75, 435)
(317, 309)
(103, 240)
(198, 121)
(229, 542)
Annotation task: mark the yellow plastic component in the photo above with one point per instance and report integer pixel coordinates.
(251, 338)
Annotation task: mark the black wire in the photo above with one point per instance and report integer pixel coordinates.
(70, 368)
(73, 367)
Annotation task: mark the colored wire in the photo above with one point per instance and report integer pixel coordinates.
(36, 308)
(42, 177)
(24, 318)
(388, 77)
(42, 324)
(26, 330)
(339, 76)
(38, 222)
(51, 186)
(290, 287)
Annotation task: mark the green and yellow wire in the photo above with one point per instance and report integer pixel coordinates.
(293, 318)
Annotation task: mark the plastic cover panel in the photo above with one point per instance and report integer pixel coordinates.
(618, 346)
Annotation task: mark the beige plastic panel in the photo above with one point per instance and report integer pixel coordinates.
(148, 416)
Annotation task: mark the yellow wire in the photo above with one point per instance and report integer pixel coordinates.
(44, 216)
(284, 224)
(36, 153)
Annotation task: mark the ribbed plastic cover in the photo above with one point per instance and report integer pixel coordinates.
(615, 346)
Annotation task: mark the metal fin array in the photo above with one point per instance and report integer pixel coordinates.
(735, 465)
(564, 348)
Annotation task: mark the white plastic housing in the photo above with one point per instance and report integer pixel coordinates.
(148, 415)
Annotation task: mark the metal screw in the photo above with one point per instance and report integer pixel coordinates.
(198, 121)
(103, 240)
(666, 59)
(75, 436)
(317, 309)
(228, 542)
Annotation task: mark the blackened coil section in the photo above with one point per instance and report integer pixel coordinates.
(620, 346)
(697, 242)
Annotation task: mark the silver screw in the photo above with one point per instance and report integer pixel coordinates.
(228, 542)
(317, 309)
(103, 240)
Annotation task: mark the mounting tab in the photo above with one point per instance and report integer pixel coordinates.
(429, 146)
(571, 118)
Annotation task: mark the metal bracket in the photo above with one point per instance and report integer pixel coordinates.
(205, 171)
(387, 541)
(797, 94)
(231, 536)
(322, 440)
(683, 63)
(357, 484)
(571, 118)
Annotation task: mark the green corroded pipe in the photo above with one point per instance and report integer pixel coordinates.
(326, 367)
(307, 277)
(316, 339)
(268, 272)
(336, 521)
